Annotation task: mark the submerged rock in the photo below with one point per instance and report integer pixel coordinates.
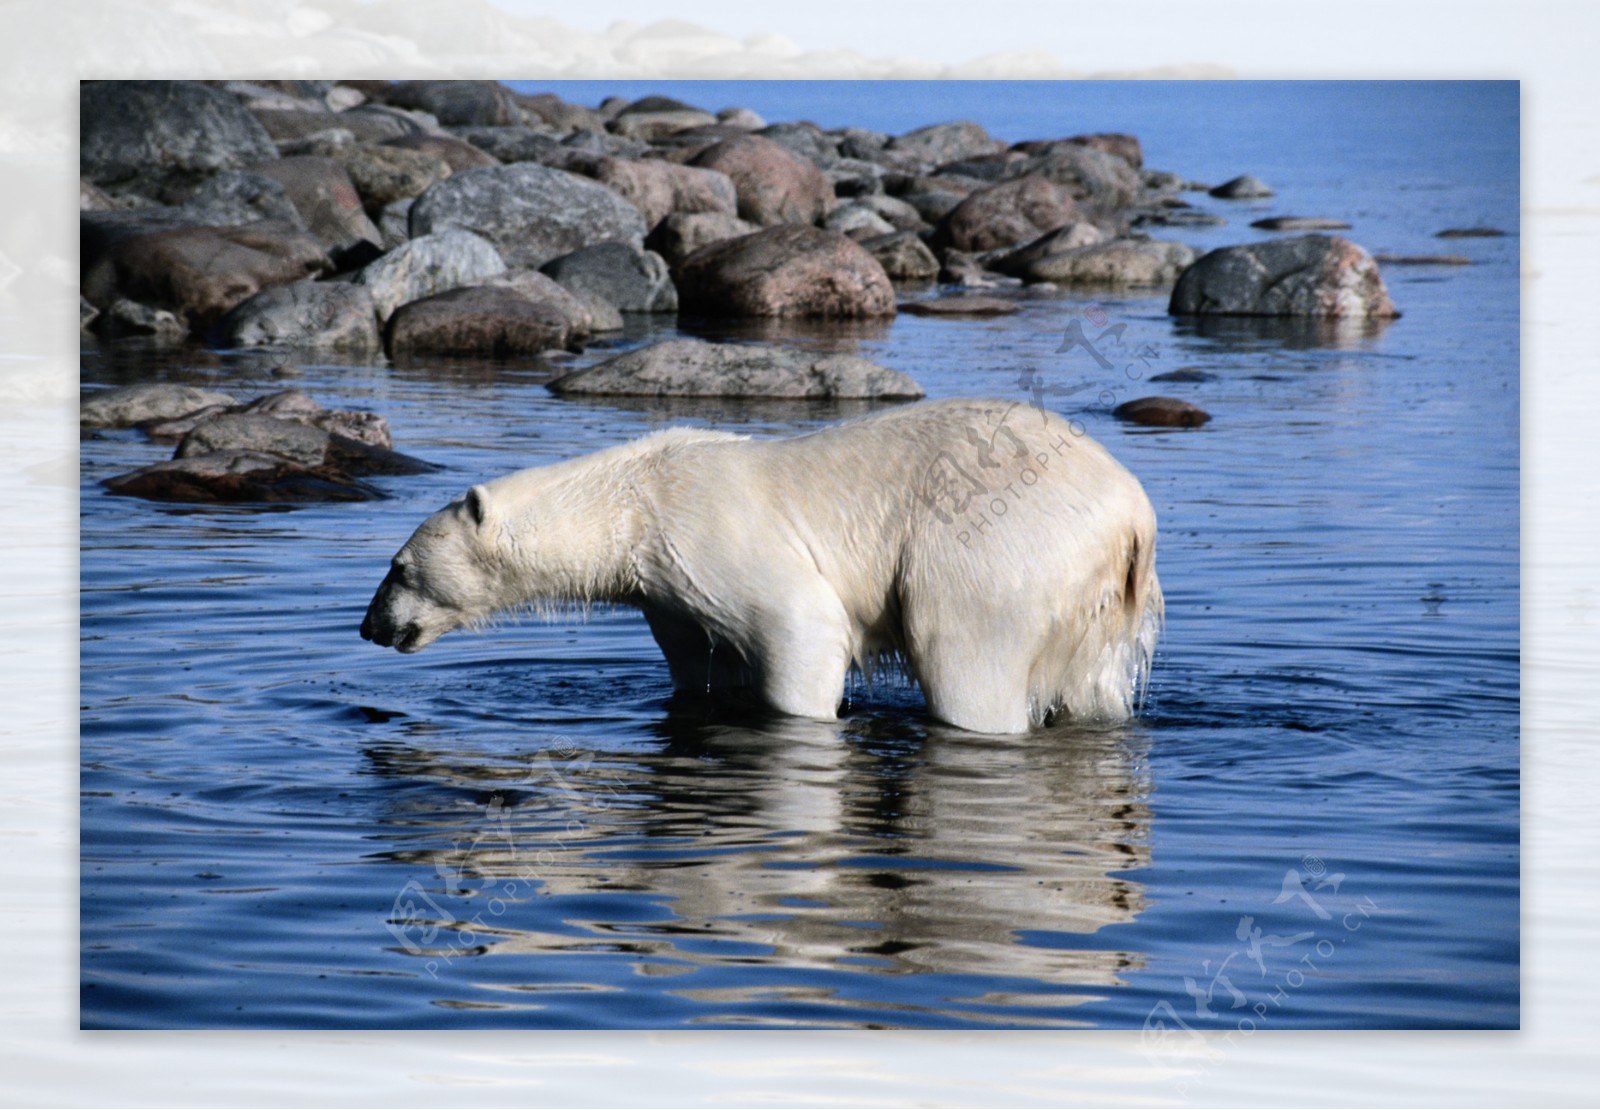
(1164, 412)
(1469, 233)
(695, 368)
(1300, 223)
(786, 271)
(1310, 275)
(229, 476)
(1422, 259)
(963, 305)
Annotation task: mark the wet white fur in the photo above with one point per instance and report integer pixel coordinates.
(778, 565)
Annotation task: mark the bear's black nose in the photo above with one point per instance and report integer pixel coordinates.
(366, 628)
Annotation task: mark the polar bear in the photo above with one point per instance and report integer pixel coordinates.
(990, 550)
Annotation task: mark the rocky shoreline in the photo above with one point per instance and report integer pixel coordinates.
(431, 218)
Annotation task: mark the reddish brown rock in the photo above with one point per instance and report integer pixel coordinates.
(1162, 412)
(479, 320)
(659, 188)
(327, 201)
(200, 273)
(786, 271)
(773, 185)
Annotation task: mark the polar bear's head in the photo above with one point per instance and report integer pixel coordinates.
(447, 575)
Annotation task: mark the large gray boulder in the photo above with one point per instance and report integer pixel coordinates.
(1308, 275)
(304, 314)
(236, 197)
(786, 271)
(429, 264)
(161, 138)
(629, 277)
(695, 368)
(531, 213)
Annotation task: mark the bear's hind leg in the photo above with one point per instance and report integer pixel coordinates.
(805, 651)
(972, 681)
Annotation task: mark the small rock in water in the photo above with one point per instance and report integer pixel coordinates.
(1422, 259)
(1184, 374)
(1243, 187)
(1300, 223)
(1164, 412)
(1470, 233)
(964, 305)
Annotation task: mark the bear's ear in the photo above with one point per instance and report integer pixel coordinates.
(477, 504)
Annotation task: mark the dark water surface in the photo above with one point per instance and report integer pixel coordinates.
(1313, 824)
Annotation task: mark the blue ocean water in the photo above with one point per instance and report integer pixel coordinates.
(1314, 824)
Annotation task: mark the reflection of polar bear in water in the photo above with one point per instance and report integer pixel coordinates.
(1005, 560)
